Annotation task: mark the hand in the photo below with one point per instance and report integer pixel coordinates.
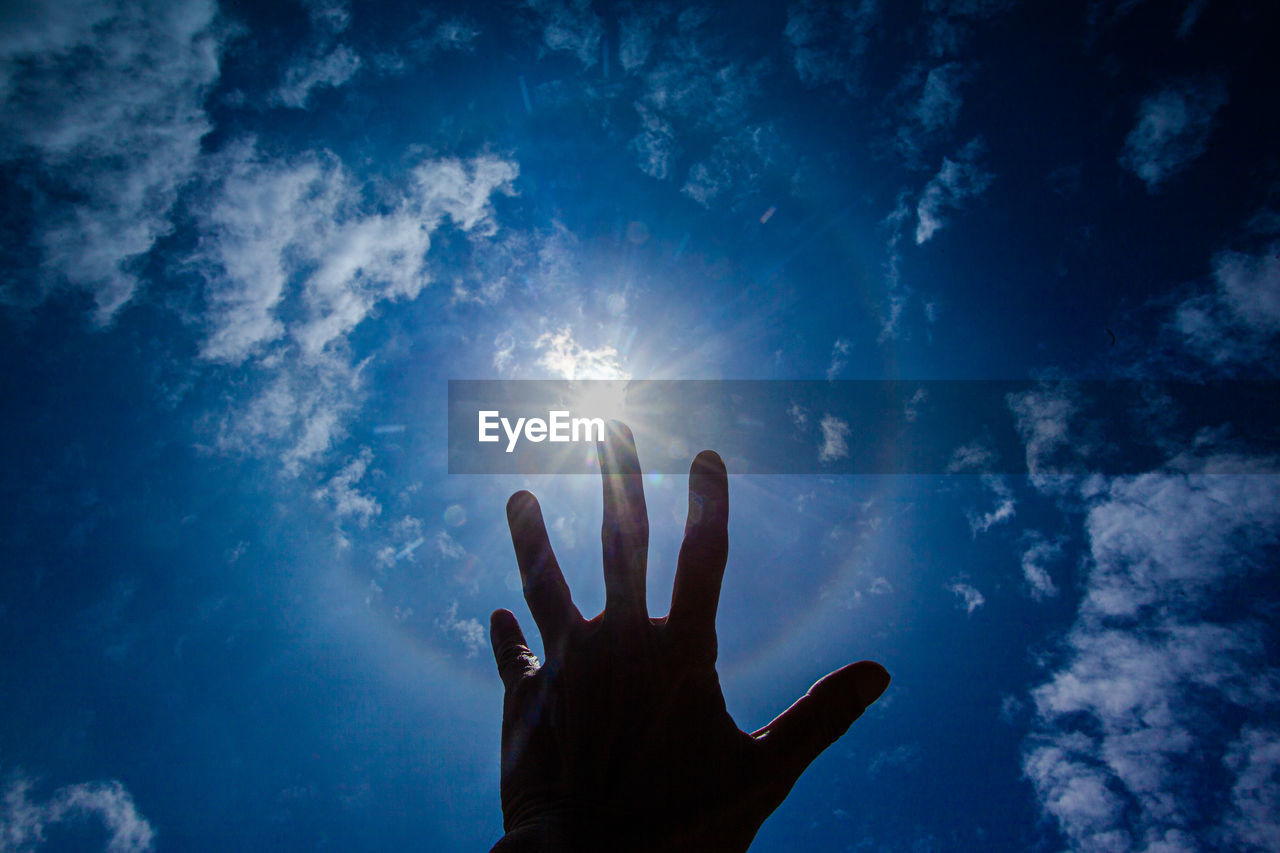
(621, 741)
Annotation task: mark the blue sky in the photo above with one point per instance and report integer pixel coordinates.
(245, 246)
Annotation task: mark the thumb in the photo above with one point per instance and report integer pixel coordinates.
(818, 718)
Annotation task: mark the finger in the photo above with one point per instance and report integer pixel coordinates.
(818, 718)
(700, 568)
(509, 648)
(544, 587)
(625, 531)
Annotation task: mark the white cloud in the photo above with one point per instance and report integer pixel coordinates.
(570, 26)
(342, 493)
(308, 74)
(970, 598)
(564, 357)
(1036, 559)
(1172, 129)
(835, 439)
(448, 546)
(656, 144)
(940, 97)
(686, 82)
(330, 15)
(1255, 796)
(635, 39)
(974, 456)
(1120, 724)
(952, 20)
(956, 181)
(23, 823)
(1043, 420)
(1003, 511)
(296, 413)
(107, 96)
(828, 40)
(903, 757)
(1239, 318)
(272, 222)
(839, 358)
(898, 292)
(468, 631)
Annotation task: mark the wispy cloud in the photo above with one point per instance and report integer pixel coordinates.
(940, 97)
(835, 439)
(839, 358)
(1172, 129)
(308, 74)
(108, 97)
(570, 26)
(957, 180)
(970, 598)
(1150, 657)
(564, 357)
(469, 632)
(23, 823)
(269, 221)
(828, 40)
(299, 234)
(342, 490)
(950, 22)
(1039, 554)
(1238, 319)
(1002, 512)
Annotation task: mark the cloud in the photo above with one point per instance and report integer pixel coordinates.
(828, 40)
(341, 492)
(686, 82)
(1172, 129)
(23, 823)
(271, 222)
(106, 99)
(898, 292)
(940, 97)
(563, 356)
(1255, 796)
(1043, 419)
(735, 165)
(635, 39)
(975, 456)
(1120, 746)
(1237, 320)
(970, 598)
(656, 144)
(905, 757)
(306, 75)
(1039, 554)
(570, 26)
(835, 439)
(839, 358)
(956, 181)
(330, 15)
(468, 631)
(951, 21)
(1003, 511)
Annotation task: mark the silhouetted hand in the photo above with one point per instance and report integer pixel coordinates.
(620, 741)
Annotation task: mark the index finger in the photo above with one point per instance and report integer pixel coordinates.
(624, 533)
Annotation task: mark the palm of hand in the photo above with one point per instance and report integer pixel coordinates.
(622, 738)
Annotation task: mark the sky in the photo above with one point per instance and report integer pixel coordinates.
(246, 246)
